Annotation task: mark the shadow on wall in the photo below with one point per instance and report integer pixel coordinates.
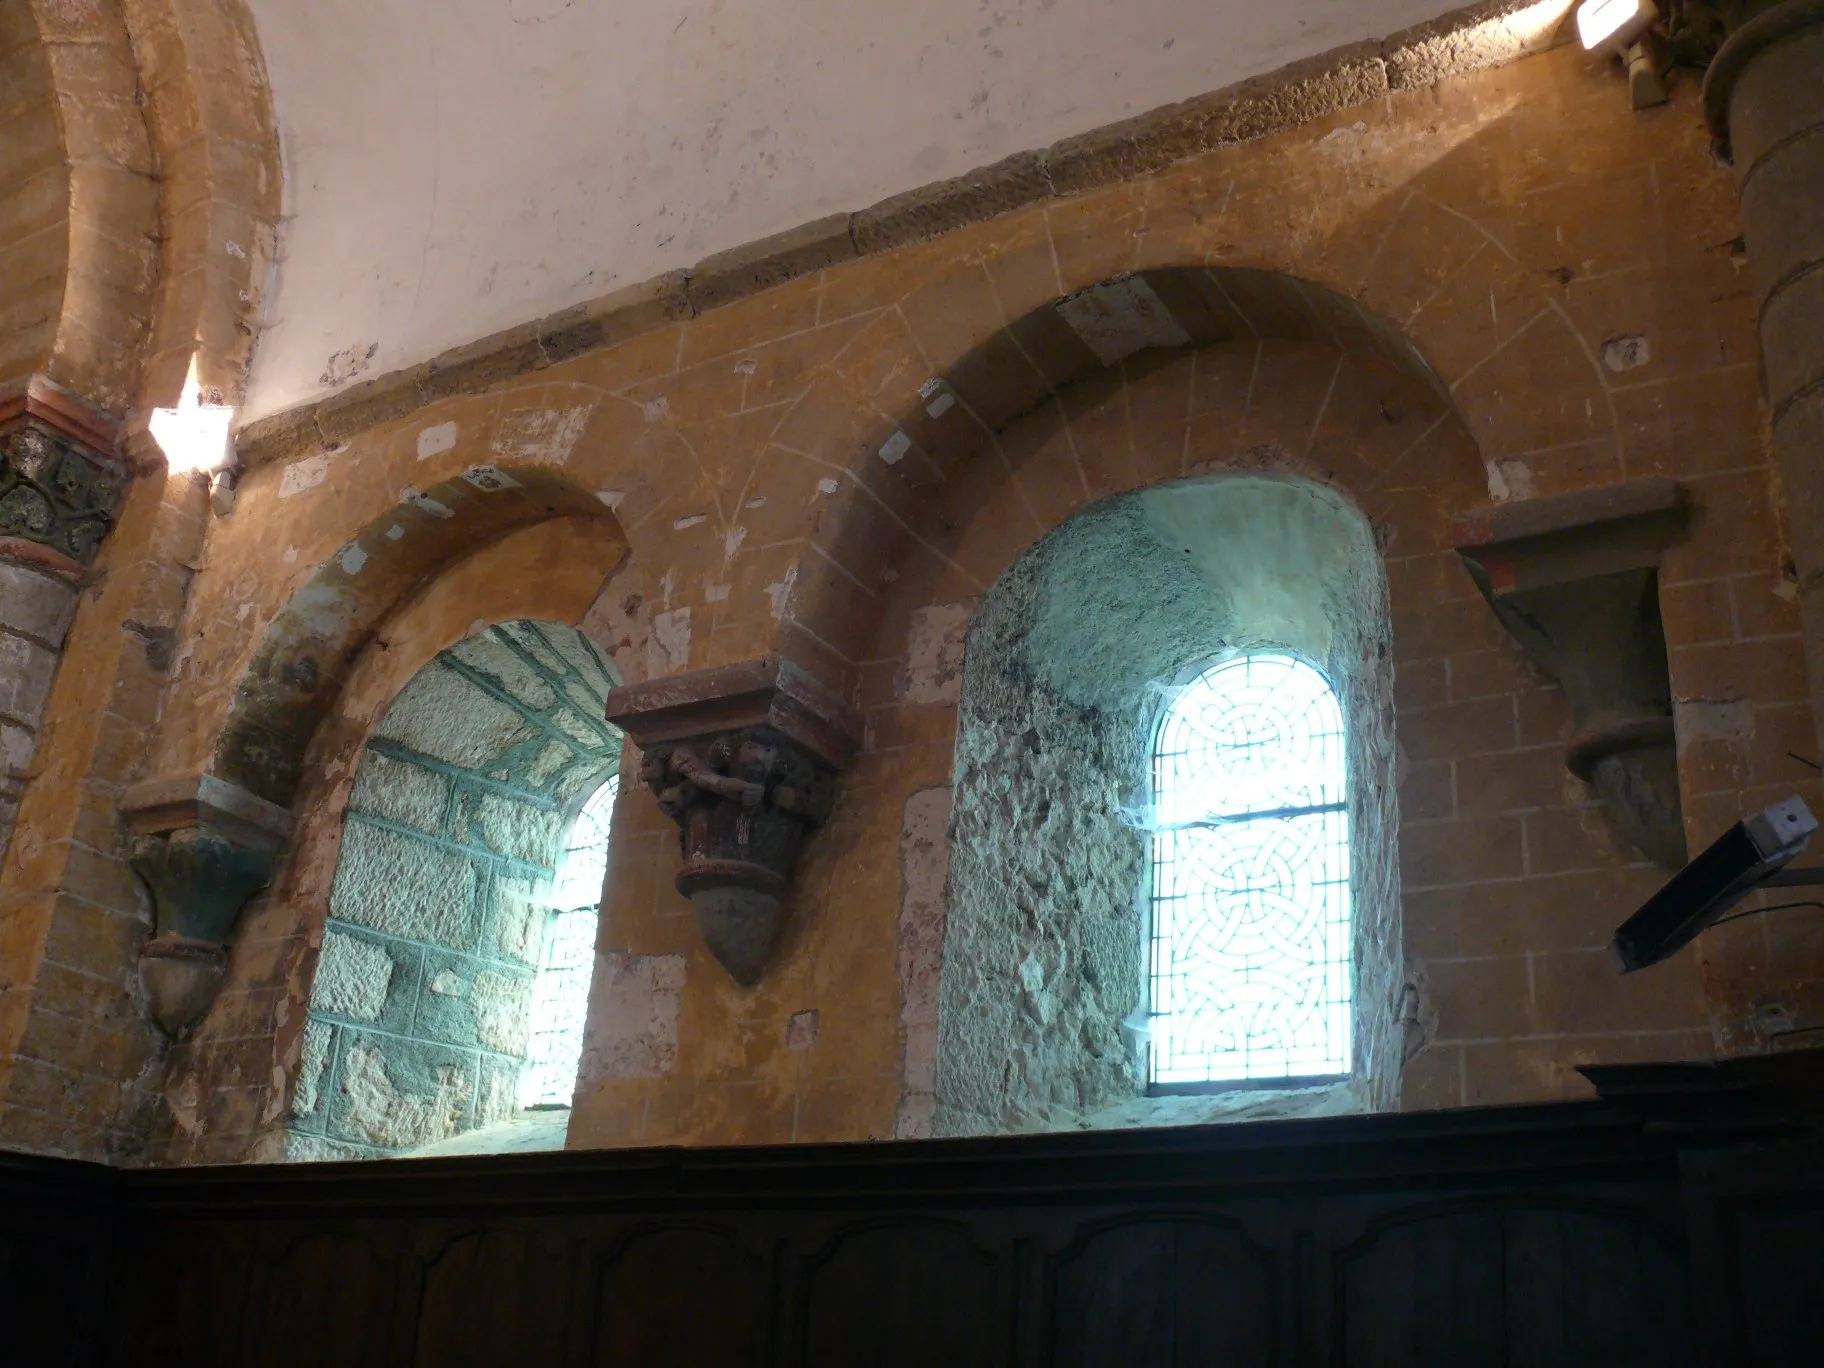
(421, 1006)
(1044, 957)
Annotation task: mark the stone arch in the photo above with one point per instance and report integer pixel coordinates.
(546, 568)
(1248, 349)
(87, 264)
(421, 988)
(307, 651)
(215, 153)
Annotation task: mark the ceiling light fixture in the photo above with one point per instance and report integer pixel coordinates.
(1627, 26)
(194, 435)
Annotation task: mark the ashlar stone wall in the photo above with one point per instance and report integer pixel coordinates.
(420, 1007)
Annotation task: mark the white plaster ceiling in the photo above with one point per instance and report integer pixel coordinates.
(455, 167)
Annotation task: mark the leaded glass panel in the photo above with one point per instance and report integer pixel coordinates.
(1251, 916)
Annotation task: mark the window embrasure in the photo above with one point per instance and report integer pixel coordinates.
(1251, 920)
(560, 994)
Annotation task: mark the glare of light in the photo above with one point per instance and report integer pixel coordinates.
(1535, 24)
(194, 435)
(1614, 21)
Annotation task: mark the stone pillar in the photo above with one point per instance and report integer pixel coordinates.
(61, 483)
(1764, 98)
(744, 759)
(203, 848)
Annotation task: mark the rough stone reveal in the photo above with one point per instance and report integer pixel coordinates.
(420, 1011)
(1042, 980)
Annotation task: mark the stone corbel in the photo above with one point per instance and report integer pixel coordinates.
(203, 847)
(744, 758)
(1575, 579)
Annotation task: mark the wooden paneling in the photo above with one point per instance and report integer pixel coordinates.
(1523, 1287)
(1520, 1238)
(676, 1296)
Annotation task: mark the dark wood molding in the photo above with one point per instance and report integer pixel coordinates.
(1637, 1229)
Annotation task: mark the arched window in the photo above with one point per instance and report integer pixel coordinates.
(560, 995)
(1250, 946)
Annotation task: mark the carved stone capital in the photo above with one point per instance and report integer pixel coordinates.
(1575, 579)
(744, 758)
(61, 480)
(203, 848)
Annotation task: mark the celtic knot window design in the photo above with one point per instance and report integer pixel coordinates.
(1250, 952)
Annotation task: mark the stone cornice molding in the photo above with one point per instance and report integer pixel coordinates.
(1483, 35)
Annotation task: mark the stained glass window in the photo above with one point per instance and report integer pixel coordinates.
(560, 994)
(1250, 953)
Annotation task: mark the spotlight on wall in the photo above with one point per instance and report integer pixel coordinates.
(1751, 855)
(1627, 26)
(194, 435)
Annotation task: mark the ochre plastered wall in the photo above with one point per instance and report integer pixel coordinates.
(103, 169)
(1511, 224)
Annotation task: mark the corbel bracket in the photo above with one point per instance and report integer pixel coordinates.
(744, 758)
(1575, 579)
(203, 847)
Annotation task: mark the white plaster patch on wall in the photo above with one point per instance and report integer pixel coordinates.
(731, 542)
(435, 440)
(611, 498)
(758, 501)
(346, 364)
(655, 409)
(352, 559)
(689, 521)
(716, 593)
(934, 653)
(894, 449)
(1511, 479)
(1121, 317)
(542, 435)
(490, 478)
(1626, 353)
(633, 1016)
(395, 533)
(424, 503)
(924, 865)
(779, 595)
(669, 649)
(827, 486)
(939, 400)
(305, 474)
